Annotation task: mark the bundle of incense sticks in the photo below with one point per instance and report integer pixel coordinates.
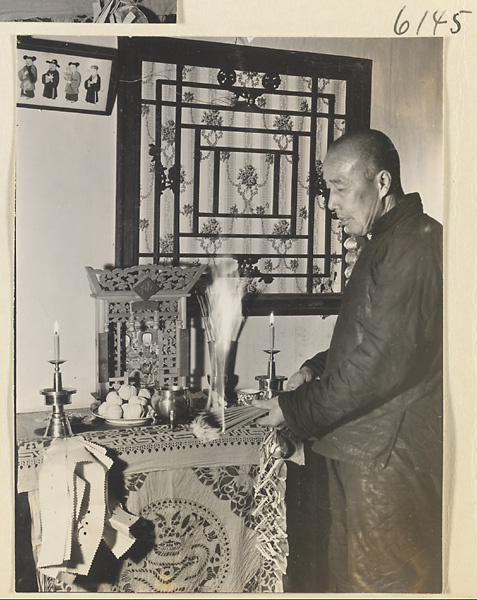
(237, 416)
(212, 322)
(208, 425)
(221, 308)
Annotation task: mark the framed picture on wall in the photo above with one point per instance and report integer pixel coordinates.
(64, 76)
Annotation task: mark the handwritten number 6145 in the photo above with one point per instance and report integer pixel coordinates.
(401, 26)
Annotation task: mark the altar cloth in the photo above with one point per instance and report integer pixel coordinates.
(201, 515)
(139, 449)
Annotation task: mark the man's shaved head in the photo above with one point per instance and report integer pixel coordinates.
(372, 150)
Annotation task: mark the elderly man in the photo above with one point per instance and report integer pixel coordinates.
(373, 402)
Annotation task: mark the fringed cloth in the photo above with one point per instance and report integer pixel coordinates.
(212, 515)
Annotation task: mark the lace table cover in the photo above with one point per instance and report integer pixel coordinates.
(139, 449)
(200, 514)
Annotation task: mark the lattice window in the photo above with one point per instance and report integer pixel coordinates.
(230, 161)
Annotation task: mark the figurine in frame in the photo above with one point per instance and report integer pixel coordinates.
(73, 81)
(93, 85)
(28, 76)
(51, 79)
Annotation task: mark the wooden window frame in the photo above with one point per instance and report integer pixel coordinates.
(132, 52)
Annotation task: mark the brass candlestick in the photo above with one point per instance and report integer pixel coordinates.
(271, 383)
(57, 397)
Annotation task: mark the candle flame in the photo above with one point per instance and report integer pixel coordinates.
(272, 318)
(56, 328)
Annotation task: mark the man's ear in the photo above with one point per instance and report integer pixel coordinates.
(384, 180)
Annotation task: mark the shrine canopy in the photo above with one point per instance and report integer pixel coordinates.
(144, 281)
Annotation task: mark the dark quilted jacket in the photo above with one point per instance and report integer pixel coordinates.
(383, 373)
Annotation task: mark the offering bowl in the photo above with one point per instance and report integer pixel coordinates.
(247, 396)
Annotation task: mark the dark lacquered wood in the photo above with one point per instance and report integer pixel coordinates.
(133, 51)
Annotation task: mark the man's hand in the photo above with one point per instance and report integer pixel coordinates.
(275, 417)
(304, 375)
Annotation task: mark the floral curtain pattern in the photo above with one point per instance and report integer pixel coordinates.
(227, 163)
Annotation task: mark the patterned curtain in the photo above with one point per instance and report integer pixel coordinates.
(231, 166)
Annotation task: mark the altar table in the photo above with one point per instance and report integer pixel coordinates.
(205, 525)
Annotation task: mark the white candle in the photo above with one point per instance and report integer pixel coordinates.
(56, 342)
(272, 331)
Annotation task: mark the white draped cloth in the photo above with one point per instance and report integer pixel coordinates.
(75, 509)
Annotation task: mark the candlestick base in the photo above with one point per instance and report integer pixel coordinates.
(56, 397)
(58, 424)
(271, 385)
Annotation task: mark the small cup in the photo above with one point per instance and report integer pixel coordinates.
(245, 397)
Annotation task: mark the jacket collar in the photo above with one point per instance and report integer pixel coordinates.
(410, 206)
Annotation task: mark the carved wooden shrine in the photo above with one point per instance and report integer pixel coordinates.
(141, 324)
